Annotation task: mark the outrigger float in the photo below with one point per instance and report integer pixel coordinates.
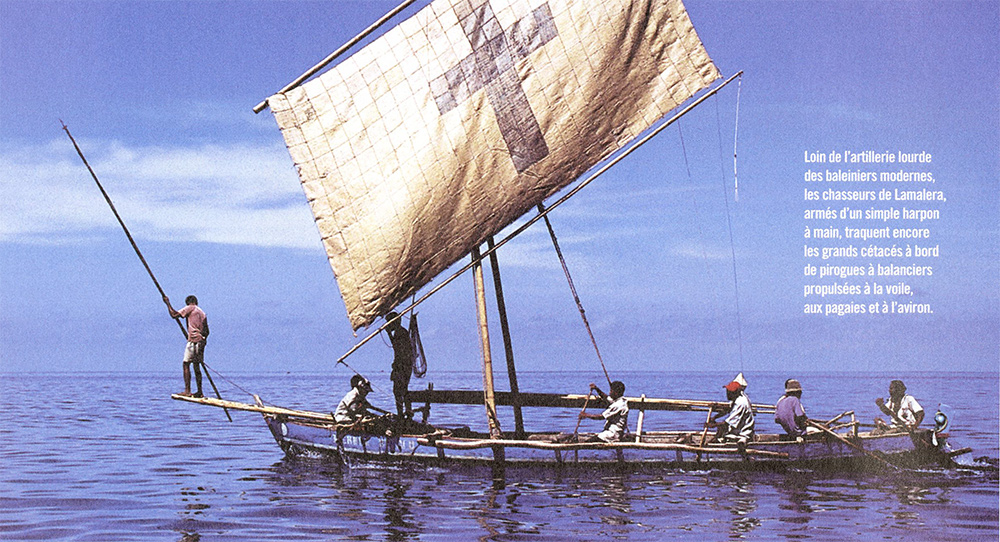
(837, 445)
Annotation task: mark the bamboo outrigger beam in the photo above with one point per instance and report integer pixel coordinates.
(278, 411)
(475, 397)
(574, 401)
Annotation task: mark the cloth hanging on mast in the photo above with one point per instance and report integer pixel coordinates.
(465, 116)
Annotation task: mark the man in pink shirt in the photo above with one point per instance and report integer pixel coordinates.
(197, 333)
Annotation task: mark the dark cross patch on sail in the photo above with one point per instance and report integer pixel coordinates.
(491, 65)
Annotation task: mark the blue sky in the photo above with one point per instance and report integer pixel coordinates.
(159, 95)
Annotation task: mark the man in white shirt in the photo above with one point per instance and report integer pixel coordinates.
(354, 406)
(615, 416)
(904, 410)
(739, 425)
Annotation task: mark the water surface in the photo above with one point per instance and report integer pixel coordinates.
(112, 457)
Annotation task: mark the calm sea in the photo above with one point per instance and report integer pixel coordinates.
(113, 458)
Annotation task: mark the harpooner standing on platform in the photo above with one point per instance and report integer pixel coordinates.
(197, 335)
(402, 361)
(615, 416)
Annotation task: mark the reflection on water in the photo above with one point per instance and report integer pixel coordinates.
(406, 502)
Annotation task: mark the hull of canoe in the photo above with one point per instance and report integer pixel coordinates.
(819, 452)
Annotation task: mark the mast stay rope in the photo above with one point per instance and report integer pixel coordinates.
(716, 302)
(572, 288)
(729, 220)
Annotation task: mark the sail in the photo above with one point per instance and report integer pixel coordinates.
(465, 116)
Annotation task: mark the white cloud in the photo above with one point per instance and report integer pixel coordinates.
(233, 193)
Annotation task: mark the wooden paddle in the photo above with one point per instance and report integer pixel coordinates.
(580, 419)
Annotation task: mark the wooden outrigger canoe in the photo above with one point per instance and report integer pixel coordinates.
(379, 440)
(458, 190)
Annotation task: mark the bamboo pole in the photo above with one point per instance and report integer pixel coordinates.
(579, 418)
(138, 253)
(484, 337)
(704, 432)
(531, 221)
(508, 346)
(841, 438)
(555, 400)
(333, 56)
(642, 416)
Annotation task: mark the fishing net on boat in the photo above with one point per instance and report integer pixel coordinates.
(419, 359)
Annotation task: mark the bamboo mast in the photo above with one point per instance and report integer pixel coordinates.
(484, 337)
(507, 344)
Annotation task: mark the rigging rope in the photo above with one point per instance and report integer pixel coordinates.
(572, 288)
(716, 303)
(736, 131)
(729, 221)
(222, 376)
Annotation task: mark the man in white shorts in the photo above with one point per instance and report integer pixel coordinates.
(197, 335)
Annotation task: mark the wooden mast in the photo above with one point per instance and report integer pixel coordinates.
(484, 336)
(507, 344)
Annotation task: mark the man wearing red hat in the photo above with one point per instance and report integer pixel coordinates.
(739, 425)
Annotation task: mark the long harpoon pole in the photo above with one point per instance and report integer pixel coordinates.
(135, 247)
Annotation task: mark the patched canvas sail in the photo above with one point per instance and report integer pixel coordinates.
(464, 117)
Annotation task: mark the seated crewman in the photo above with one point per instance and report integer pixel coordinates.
(354, 406)
(789, 413)
(615, 416)
(739, 425)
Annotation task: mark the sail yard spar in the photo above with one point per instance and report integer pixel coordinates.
(451, 125)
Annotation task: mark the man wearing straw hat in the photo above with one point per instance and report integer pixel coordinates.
(789, 413)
